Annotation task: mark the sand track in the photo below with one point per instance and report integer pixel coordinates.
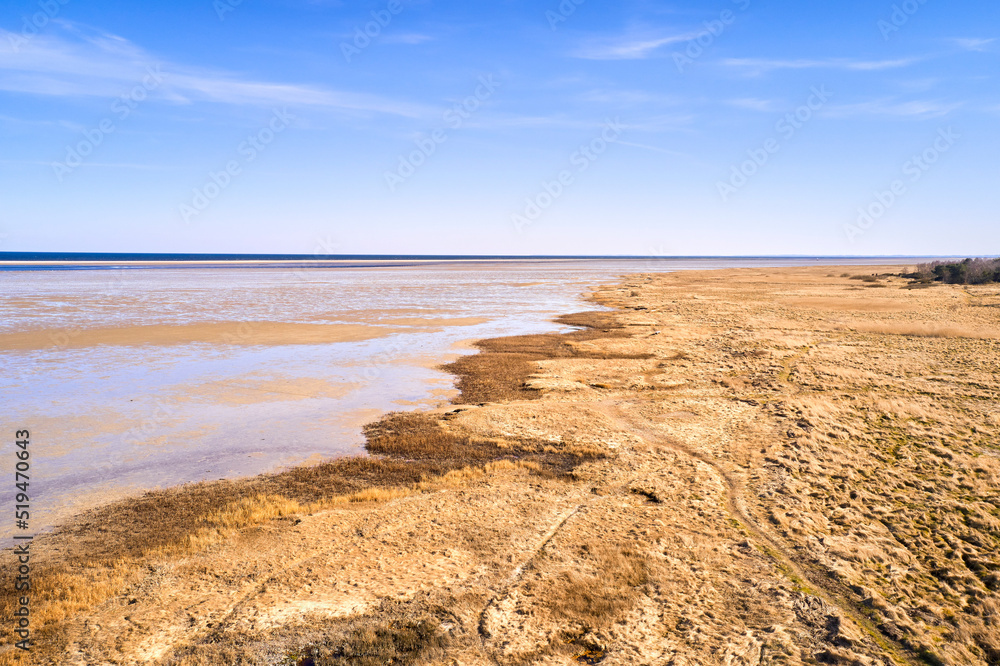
(821, 585)
(515, 578)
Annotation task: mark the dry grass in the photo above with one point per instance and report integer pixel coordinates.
(417, 436)
(606, 584)
(462, 477)
(851, 304)
(101, 554)
(57, 595)
(499, 372)
(233, 518)
(398, 642)
(394, 633)
(926, 330)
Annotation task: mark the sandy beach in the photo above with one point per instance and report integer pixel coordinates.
(748, 466)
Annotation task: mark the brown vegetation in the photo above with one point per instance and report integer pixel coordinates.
(500, 371)
(604, 584)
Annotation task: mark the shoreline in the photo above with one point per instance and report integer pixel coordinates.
(105, 264)
(727, 463)
(389, 468)
(226, 376)
(454, 366)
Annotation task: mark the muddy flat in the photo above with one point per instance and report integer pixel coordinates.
(753, 466)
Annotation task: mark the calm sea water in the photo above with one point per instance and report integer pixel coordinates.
(108, 421)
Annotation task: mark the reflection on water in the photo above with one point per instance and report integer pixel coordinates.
(108, 421)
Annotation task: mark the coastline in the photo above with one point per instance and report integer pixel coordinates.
(148, 379)
(587, 497)
(177, 520)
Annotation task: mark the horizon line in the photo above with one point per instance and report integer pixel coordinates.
(38, 256)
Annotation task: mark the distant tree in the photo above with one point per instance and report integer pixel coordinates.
(967, 271)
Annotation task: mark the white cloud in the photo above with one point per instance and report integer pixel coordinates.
(74, 63)
(629, 49)
(917, 85)
(532, 122)
(973, 44)
(752, 103)
(654, 149)
(915, 109)
(411, 38)
(758, 65)
(659, 123)
(628, 97)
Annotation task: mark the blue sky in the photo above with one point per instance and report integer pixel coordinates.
(653, 128)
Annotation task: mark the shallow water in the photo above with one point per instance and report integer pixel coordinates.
(111, 420)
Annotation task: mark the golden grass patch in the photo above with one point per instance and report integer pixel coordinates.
(606, 584)
(925, 330)
(852, 304)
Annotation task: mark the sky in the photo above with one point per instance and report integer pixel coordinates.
(721, 127)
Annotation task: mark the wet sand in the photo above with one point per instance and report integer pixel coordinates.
(229, 333)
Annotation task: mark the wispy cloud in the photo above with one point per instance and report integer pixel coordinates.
(411, 38)
(914, 109)
(35, 122)
(654, 149)
(752, 103)
(972, 44)
(759, 65)
(628, 97)
(73, 62)
(103, 165)
(917, 85)
(660, 123)
(628, 48)
(557, 121)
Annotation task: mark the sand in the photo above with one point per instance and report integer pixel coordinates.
(770, 467)
(230, 333)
